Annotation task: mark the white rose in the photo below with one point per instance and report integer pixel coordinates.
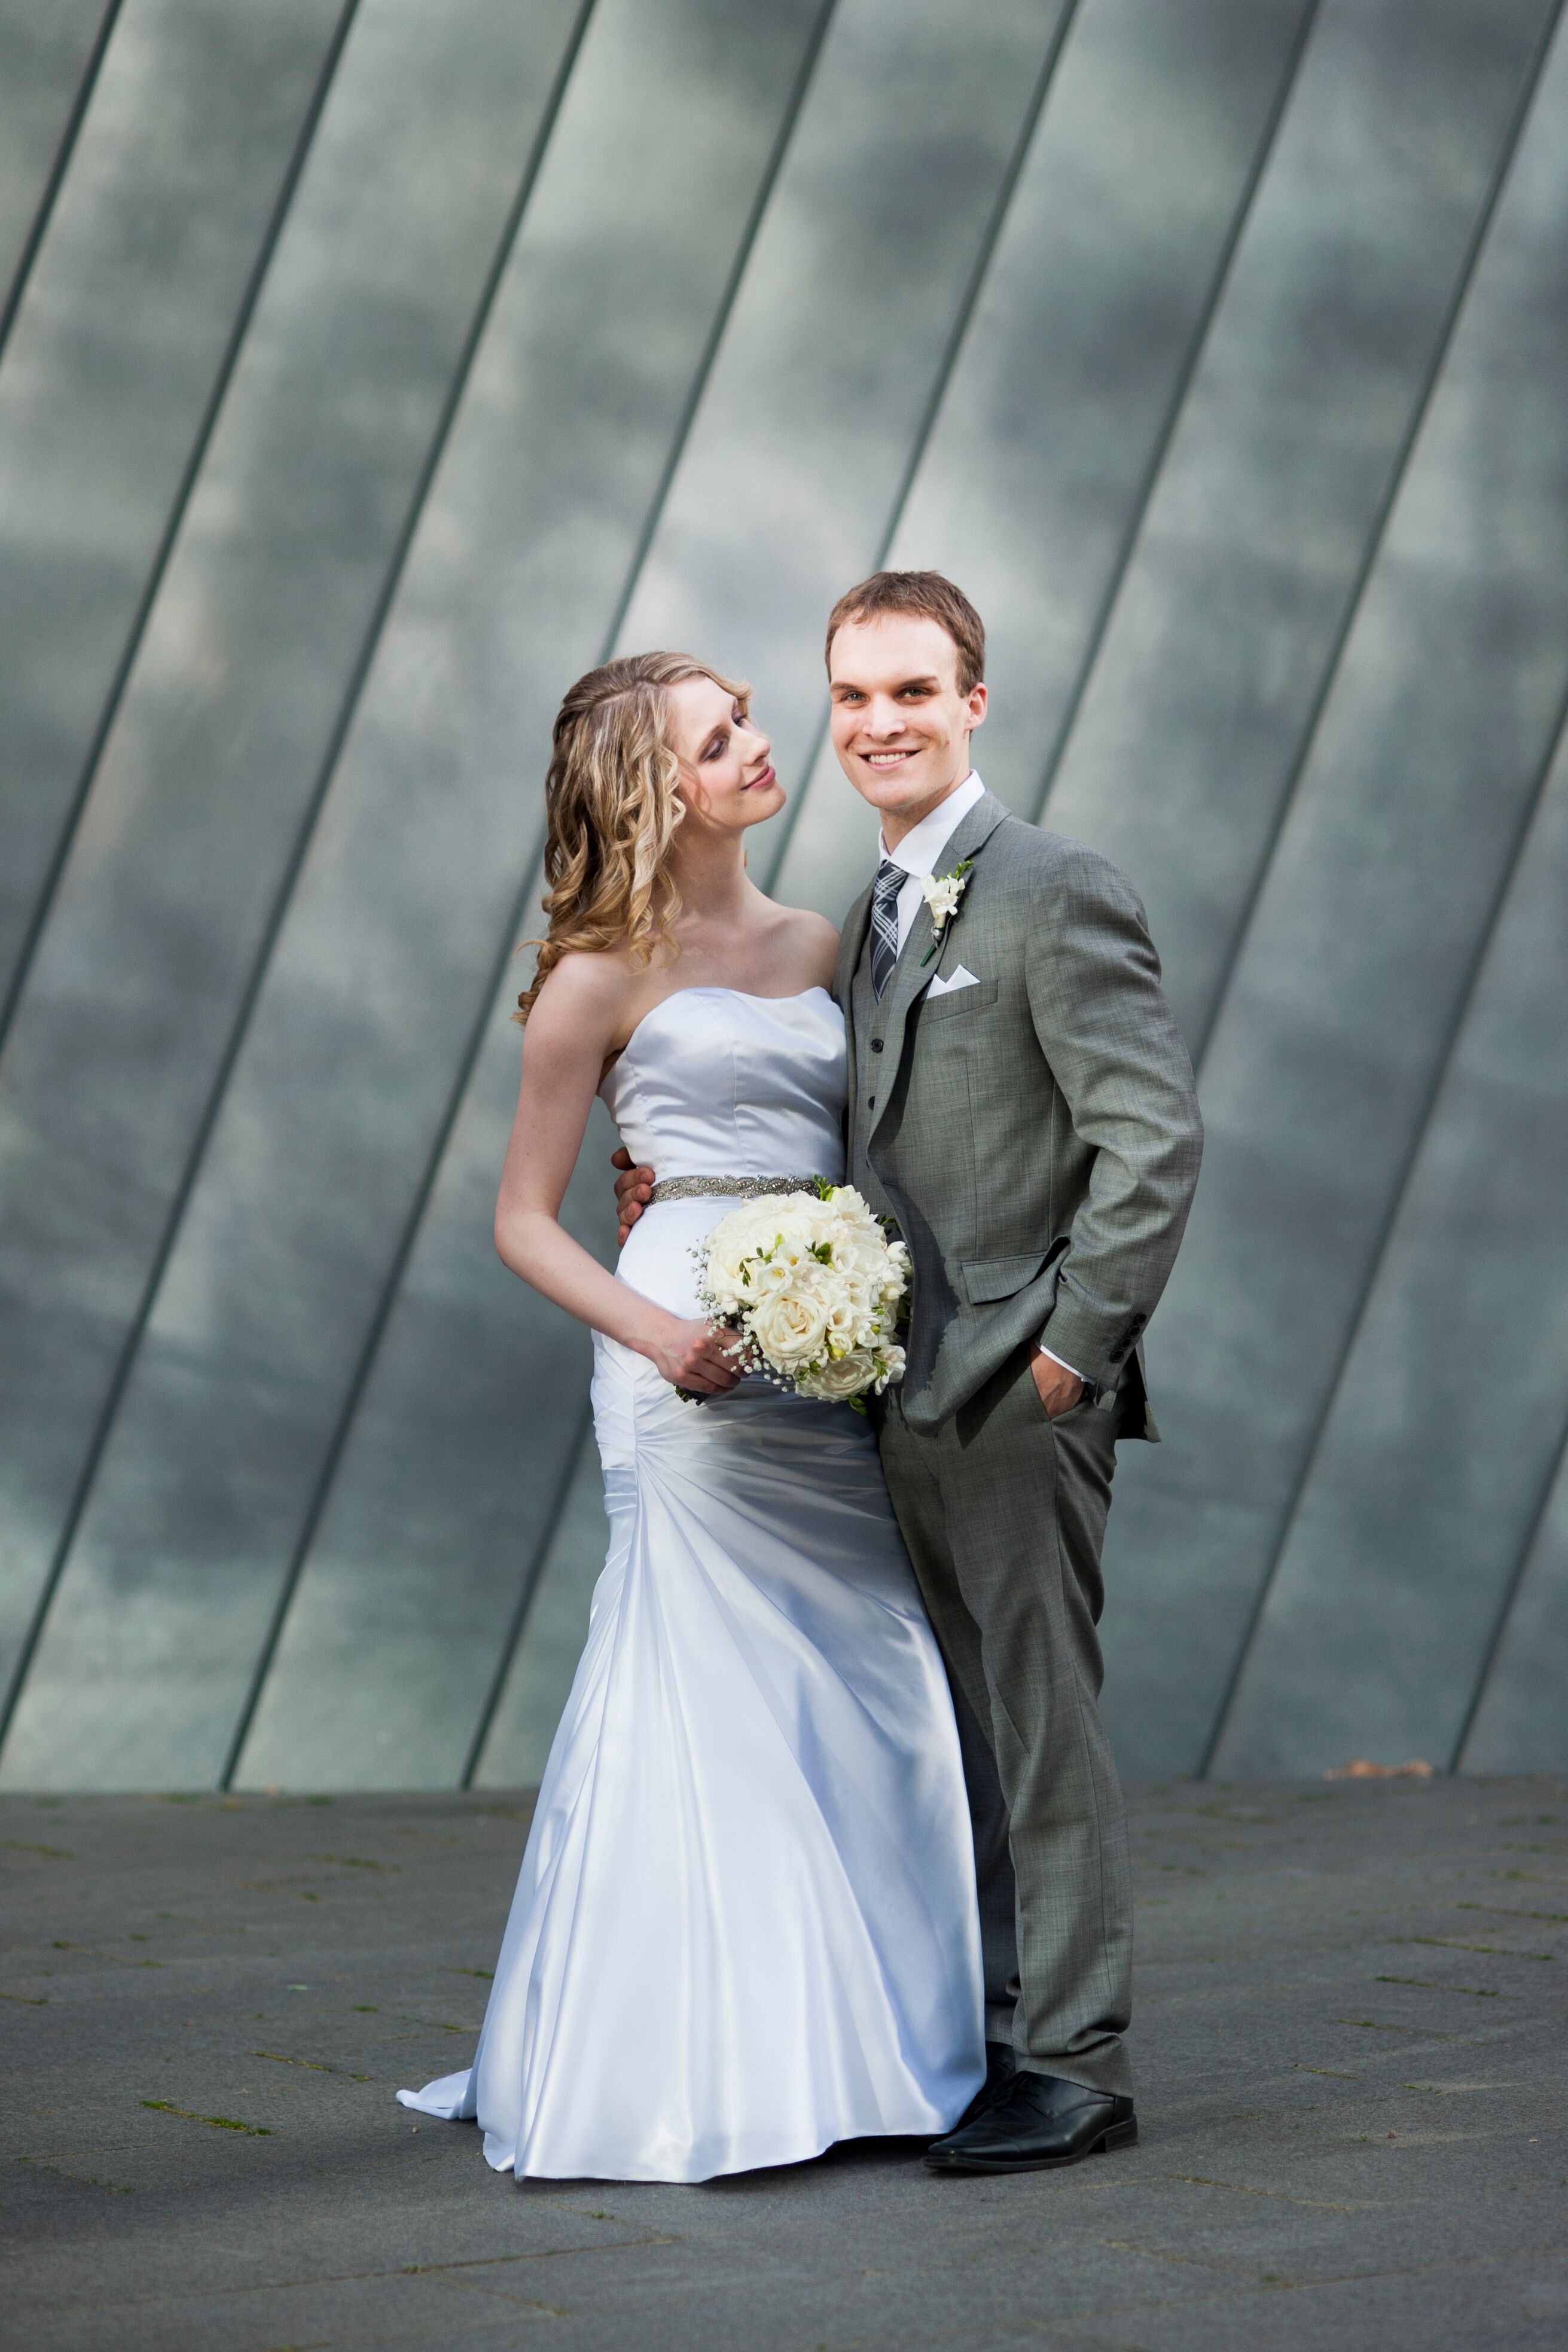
(850, 1376)
(791, 1330)
(754, 1226)
(729, 1246)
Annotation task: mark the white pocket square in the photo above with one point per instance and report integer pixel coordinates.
(962, 978)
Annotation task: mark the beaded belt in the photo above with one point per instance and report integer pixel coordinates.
(730, 1187)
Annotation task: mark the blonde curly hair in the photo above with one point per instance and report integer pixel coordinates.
(611, 812)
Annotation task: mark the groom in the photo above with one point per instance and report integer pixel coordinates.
(1021, 1103)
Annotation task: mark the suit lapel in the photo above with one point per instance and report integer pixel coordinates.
(970, 834)
(911, 974)
(851, 943)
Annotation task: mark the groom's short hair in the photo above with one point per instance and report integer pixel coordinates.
(933, 597)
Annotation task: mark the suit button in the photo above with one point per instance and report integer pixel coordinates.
(875, 1045)
(871, 1102)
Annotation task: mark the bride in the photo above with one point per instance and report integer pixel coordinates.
(745, 1926)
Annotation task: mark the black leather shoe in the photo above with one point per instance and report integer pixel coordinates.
(999, 2071)
(1037, 2122)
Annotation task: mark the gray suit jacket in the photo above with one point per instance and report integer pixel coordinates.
(1036, 1136)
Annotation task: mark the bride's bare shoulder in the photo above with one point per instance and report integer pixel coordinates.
(585, 993)
(812, 940)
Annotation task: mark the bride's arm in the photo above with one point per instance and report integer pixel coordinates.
(570, 1033)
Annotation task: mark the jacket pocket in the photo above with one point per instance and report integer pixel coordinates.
(955, 1003)
(986, 1279)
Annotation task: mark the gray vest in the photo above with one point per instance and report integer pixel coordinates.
(870, 1020)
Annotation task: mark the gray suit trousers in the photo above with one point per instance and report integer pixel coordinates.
(1003, 1512)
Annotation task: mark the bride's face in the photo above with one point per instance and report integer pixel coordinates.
(727, 778)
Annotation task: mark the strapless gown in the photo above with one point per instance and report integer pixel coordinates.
(745, 1926)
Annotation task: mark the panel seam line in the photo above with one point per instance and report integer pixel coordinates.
(534, 1566)
(1504, 1615)
(353, 688)
(44, 211)
(109, 1411)
(1377, 533)
(1420, 1128)
(974, 285)
(803, 74)
(1530, 83)
(1174, 409)
(54, 874)
(524, 1603)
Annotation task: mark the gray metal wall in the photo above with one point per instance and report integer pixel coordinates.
(371, 368)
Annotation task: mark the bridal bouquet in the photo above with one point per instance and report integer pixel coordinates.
(811, 1286)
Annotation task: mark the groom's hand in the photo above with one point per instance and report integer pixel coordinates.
(1059, 1390)
(633, 1189)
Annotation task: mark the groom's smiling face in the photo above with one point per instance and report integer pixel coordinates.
(900, 727)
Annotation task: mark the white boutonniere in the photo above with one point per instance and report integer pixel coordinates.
(941, 893)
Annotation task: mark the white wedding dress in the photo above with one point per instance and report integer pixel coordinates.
(745, 1926)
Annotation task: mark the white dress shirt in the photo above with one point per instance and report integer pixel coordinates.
(919, 853)
(920, 849)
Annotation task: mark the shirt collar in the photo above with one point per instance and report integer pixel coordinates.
(923, 844)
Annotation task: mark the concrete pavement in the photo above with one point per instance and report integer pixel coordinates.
(1350, 2043)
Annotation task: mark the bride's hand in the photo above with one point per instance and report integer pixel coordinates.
(694, 1356)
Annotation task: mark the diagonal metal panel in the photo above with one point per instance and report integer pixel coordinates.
(318, 1150)
(1270, 507)
(452, 1256)
(125, 309)
(459, 1426)
(838, 340)
(49, 64)
(541, 1659)
(535, 1672)
(187, 849)
(1520, 1724)
(1267, 511)
(1356, 966)
(199, 118)
(1115, 243)
(1427, 1485)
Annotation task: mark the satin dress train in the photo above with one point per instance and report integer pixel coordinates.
(745, 1926)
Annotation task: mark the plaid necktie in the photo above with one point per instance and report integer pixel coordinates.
(890, 880)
